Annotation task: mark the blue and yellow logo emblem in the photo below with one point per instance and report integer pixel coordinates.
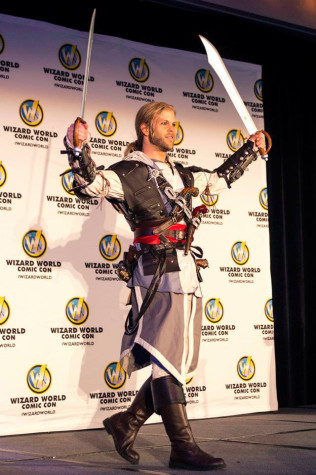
(268, 310)
(240, 253)
(4, 311)
(39, 379)
(179, 134)
(31, 112)
(209, 200)
(246, 368)
(110, 247)
(263, 198)
(3, 174)
(214, 310)
(34, 243)
(204, 80)
(69, 56)
(234, 140)
(105, 123)
(2, 44)
(138, 69)
(114, 375)
(67, 181)
(257, 89)
(77, 311)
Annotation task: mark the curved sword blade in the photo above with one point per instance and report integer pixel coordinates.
(219, 67)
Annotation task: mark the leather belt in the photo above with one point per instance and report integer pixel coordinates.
(179, 234)
(145, 248)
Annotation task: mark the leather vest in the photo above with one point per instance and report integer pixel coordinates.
(143, 203)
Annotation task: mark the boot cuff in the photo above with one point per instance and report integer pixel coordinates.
(166, 390)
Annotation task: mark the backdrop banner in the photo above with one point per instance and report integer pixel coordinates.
(62, 307)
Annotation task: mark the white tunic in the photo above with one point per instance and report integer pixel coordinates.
(170, 328)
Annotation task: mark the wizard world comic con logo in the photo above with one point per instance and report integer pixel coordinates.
(257, 89)
(240, 253)
(34, 243)
(138, 69)
(3, 174)
(234, 140)
(110, 247)
(268, 310)
(77, 311)
(204, 80)
(246, 368)
(2, 44)
(263, 198)
(105, 123)
(214, 310)
(4, 311)
(209, 200)
(67, 181)
(39, 379)
(179, 134)
(69, 56)
(31, 112)
(114, 375)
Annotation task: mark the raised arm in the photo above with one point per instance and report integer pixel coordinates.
(89, 180)
(233, 168)
(215, 181)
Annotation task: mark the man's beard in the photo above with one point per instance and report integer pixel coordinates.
(159, 142)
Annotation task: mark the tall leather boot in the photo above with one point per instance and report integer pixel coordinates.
(124, 426)
(169, 402)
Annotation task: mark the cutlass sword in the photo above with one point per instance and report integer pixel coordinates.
(215, 60)
(76, 141)
(87, 68)
(77, 144)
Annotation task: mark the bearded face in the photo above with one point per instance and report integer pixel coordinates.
(163, 132)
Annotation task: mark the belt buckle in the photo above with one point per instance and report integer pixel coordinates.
(163, 238)
(181, 235)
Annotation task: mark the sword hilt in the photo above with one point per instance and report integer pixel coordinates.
(202, 209)
(262, 151)
(77, 143)
(186, 193)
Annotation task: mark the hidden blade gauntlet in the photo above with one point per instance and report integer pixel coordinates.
(82, 165)
(236, 164)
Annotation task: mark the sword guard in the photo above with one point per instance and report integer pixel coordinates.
(261, 150)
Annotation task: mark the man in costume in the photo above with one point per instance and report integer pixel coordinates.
(163, 325)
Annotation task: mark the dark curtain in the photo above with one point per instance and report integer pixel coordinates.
(288, 60)
(290, 107)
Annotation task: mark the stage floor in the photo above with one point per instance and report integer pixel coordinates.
(282, 442)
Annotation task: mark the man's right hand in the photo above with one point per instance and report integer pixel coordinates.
(83, 133)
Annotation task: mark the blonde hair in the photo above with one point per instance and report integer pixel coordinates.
(146, 115)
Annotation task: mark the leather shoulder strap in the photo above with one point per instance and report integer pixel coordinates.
(186, 174)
